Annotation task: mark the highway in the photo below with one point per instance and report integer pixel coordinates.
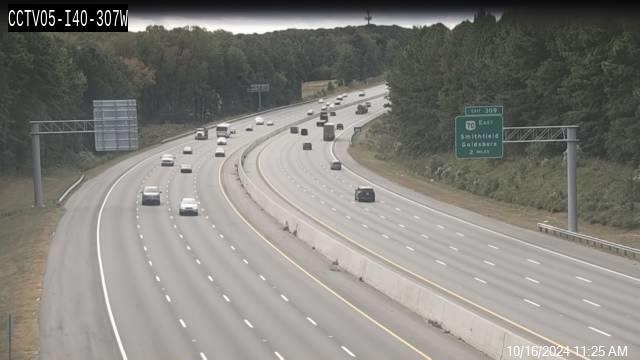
(141, 282)
(520, 275)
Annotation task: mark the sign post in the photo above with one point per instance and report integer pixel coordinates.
(259, 88)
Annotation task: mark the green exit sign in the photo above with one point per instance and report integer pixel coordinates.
(479, 136)
(483, 110)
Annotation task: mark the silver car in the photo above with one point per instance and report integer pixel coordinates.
(167, 160)
(188, 206)
(186, 168)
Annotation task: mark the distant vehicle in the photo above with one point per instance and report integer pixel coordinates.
(293, 130)
(186, 169)
(332, 113)
(187, 150)
(320, 101)
(344, 95)
(188, 206)
(365, 194)
(361, 93)
(249, 128)
(324, 116)
(221, 141)
(320, 123)
(304, 132)
(223, 130)
(337, 102)
(328, 133)
(151, 195)
(202, 133)
(232, 131)
(339, 126)
(306, 146)
(269, 122)
(219, 152)
(310, 112)
(336, 165)
(339, 98)
(368, 103)
(362, 109)
(323, 108)
(259, 120)
(167, 160)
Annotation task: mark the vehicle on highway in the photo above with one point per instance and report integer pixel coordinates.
(167, 160)
(219, 152)
(269, 122)
(323, 108)
(202, 133)
(339, 126)
(293, 130)
(306, 146)
(337, 102)
(223, 130)
(310, 112)
(249, 128)
(329, 132)
(232, 131)
(368, 104)
(336, 165)
(321, 122)
(187, 150)
(151, 195)
(221, 141)
(188, 206)
(365, 194)
(332, 113)
(320, 101)
(362, 109)
(339, 98)
(324, 115)
(361, 93)
(344, 95)
(259, 120)
(304, 132)
(186, 169)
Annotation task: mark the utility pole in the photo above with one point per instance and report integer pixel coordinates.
(368, 17)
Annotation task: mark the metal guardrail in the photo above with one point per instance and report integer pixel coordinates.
(69, 190)
(590, 240)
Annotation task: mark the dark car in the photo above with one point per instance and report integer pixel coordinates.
(321, 123)
(304, 132)
(306, 146)
(368, 104)
(151, 195)
(332, 113)
(294, 129)
(339, 126)
(336, 165)
(324, 116)
(249, 128)
(365, 194)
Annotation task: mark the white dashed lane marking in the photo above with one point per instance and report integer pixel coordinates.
(440, 226)
(493, 247)
(479, 280)
(284, 297)
(583, 279)
(311, 321)
(168, 298)
(183, 323)
(248, 323)
(599, 331)
(532, 280)
(489, 263)
(226, 298)
(531, 302)
(591, 303)
(348, 351)
(409, 248)
(453, 248)
(533, 261)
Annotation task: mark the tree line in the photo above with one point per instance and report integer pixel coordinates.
(561, 68)
(182, 75)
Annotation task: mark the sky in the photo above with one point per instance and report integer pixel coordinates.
(247, 23)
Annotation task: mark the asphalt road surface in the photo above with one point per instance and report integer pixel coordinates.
(571, 294)
(141, 282)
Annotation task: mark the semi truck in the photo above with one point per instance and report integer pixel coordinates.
(329, 132)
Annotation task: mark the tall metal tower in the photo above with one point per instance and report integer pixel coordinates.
(368, 17)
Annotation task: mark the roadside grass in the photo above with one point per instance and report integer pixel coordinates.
(315, 88)
(25, 233)
(406, 172)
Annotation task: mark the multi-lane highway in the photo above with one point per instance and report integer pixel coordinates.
(566, 294)
(141, 282)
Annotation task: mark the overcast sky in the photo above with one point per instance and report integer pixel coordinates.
(265, 22)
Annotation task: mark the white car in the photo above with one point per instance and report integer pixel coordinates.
(259, 120)
(323, 108)
(310, 112)
(269, 122)
(186, 169)
(187, 150)
(219, 152)
(151, 195)
(344, 95)
(167, 160)
(222, 141)
(188, 206)
(320, 101)
(361, 93)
